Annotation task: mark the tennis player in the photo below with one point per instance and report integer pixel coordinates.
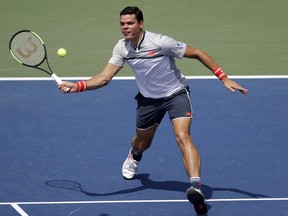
(162, 89)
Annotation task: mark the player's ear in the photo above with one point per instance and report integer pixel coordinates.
(141, 23)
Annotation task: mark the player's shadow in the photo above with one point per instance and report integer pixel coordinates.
(183, 186)
(147, 183)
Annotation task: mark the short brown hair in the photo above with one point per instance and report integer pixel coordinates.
(133, 10)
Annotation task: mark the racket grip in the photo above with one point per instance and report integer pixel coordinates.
(56, 78)
(59, 81)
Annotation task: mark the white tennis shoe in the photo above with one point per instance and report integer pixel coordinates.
(129, 167)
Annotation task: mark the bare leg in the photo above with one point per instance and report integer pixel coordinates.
(143, 139)
(140, 143)
(191, 161)
(191, 157)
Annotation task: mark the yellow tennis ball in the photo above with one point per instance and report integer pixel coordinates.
(62, 52)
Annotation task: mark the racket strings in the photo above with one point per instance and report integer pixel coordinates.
(28, 48)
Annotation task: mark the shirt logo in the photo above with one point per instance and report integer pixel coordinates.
(179, 45)
(152, 53)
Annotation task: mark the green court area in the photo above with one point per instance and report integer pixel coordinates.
(245, 37)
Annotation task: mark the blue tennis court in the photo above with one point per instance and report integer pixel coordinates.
(62, 154)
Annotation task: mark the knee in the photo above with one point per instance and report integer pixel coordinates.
(183, 139)
(140, 145)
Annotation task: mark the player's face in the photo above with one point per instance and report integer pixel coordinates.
(131, 28)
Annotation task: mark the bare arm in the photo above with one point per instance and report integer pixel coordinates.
(211, 64)
(104, 77)
(95, 82)
(201, 56)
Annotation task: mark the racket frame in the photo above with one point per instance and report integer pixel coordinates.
(50, 72)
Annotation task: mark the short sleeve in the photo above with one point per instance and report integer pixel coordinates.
(117, 57)
(172, 47)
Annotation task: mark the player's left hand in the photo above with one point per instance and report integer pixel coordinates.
(233, 86)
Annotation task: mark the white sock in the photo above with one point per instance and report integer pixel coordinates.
(195, 182)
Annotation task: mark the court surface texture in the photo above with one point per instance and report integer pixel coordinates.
(61, 155)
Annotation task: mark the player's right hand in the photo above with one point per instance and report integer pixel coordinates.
(68, 87)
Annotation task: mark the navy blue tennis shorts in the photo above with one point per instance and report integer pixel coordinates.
(151, 111)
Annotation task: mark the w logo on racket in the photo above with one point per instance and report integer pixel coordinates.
(29, 50)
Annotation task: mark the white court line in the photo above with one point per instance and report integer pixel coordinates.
(133, 78)
(18, 209)
(15, 205)
(141, 201)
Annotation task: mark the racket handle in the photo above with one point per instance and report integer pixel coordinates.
(59, 81)
(56, 78)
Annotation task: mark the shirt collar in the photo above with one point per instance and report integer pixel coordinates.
(140, 42)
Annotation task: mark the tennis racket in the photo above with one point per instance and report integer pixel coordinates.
(29, 50)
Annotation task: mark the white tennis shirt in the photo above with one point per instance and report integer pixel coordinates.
(153, 63)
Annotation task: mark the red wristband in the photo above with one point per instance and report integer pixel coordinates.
(219, 73)
(81, 86)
